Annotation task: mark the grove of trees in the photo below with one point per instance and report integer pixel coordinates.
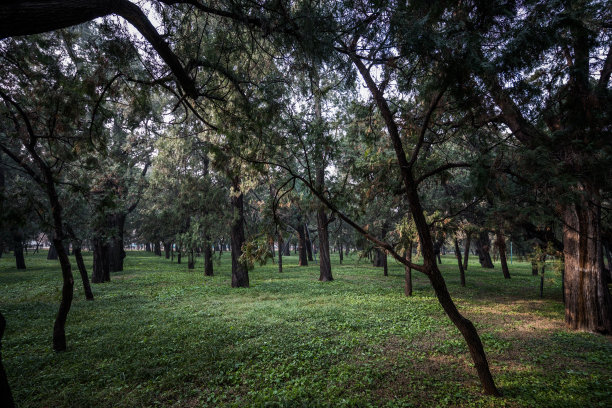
(396, 129)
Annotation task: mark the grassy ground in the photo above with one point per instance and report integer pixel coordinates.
(160, 335)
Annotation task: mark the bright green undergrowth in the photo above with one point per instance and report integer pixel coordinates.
(161, 335)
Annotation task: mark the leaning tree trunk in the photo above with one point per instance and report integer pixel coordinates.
(78, 256)
(501, 245)
(459, 263)
(59, 332)
(588, 304)
(240, 273)
(483, 245)
(301, 233)
(432, 271)
(208, 261)
(466, 254)
(6, 397)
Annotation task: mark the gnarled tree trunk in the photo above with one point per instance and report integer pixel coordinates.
(483, 245)
(588, 304)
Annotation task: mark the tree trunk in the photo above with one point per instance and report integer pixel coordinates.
(301, 233)
(459, 263)
(78, 256)
(6, 397)
(52, 254)
(240, 273)
(167, 250)
(116, 253)
(340, 253)
(408, 272)
(465, 326)
(18, 250)
(324, 259)
(308, 243)
(280, 252)
(501, 245)
(208, 261)
(179, 254)
(534, 267)
(148, 247)
(157, 248)
(190, 260)
(466, 254)
(101, 269)
(483, 246)
(588, 304)
(59, 332)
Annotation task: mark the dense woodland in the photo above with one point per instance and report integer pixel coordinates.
(386, 131)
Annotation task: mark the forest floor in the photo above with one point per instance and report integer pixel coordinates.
(161, 335)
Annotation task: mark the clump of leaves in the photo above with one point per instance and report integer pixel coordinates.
(255, 250)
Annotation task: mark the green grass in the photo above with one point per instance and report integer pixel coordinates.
(160, 335)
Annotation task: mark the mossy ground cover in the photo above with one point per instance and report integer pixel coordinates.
(161, 335)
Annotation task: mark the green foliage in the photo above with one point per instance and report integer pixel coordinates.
(254, 250)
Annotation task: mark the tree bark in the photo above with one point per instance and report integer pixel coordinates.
(308, 243)
(240, 273)
(6, 397)
(325, 274)
(588, 304)
(483, 245)
(468, 239)
(101, 269)
(408, 272)
(501, 245)
(157, 248)
(459, 263)
(208, 261)
(301, 233)
(78, 256)
(340, 253)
